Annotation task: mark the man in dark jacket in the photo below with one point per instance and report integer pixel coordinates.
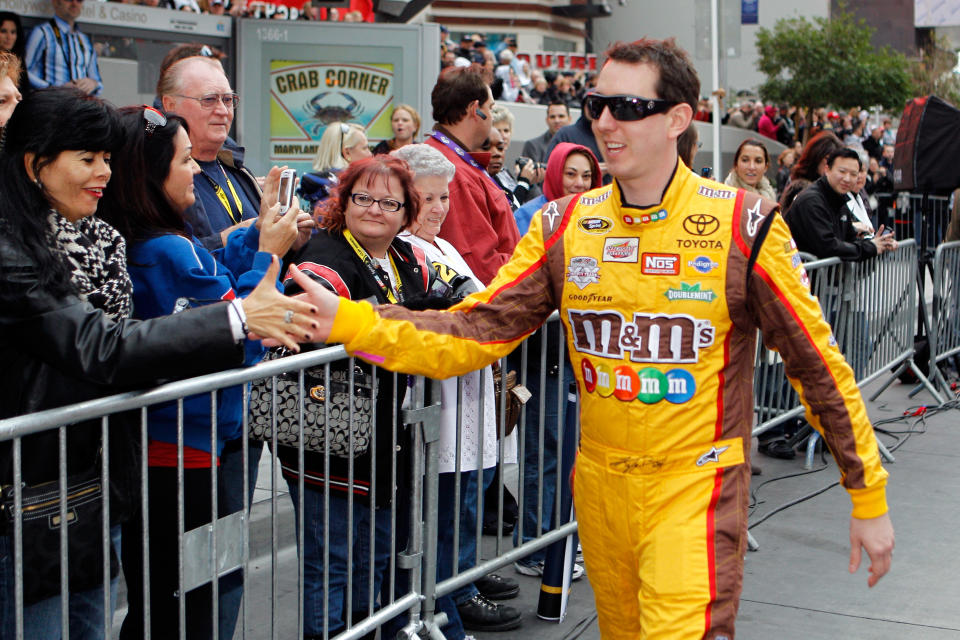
(558, 116)
(820, 220)
(227, 194)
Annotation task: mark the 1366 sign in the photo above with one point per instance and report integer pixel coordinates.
(647, 338)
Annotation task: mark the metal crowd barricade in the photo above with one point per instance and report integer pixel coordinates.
(885, 300)
(945, 325)
(541, 447)
(266, 541)
(872, 307)
(920, 216)
(209, 551)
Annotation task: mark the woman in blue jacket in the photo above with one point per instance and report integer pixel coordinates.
(171, 271)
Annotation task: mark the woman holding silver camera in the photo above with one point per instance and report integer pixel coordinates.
(171, 271)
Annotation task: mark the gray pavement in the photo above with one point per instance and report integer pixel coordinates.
(795, 586)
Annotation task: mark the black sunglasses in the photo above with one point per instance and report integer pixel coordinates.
(626, 108)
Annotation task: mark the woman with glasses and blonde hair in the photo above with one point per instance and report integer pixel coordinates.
(357, 255)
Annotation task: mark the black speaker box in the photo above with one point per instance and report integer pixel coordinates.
(927, 157)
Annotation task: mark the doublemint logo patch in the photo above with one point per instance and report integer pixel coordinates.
(691, 292)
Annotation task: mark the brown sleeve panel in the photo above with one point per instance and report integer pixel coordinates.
(792, 324)
(551, 224)
(512, 307)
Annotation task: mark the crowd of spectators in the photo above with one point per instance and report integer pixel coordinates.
(511, 78)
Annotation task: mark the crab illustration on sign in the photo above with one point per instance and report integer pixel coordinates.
(332, 106)
(307, 97)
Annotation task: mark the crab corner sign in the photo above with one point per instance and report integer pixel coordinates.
(306, 97)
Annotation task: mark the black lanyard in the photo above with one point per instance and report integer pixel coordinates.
(376, 271)
(65, 47)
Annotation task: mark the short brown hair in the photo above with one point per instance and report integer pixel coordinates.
(10, 66)
(383, 166)
(677, 81)
(456, 88)
(687, 144)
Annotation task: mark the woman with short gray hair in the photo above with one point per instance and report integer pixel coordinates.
(432, 173)
(425, 161)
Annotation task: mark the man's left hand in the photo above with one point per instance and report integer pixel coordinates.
(86, 85)
(875, 536)
(305, 227)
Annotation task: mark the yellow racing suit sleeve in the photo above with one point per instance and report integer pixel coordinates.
(470, 335)
(792, 323)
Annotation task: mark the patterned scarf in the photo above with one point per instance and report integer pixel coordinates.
(764, 188)
(97, 257)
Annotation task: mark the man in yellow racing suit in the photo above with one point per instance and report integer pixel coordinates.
(661, 305)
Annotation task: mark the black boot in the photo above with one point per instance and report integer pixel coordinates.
(480, 614)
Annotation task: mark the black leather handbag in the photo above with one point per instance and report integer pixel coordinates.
(42, 520)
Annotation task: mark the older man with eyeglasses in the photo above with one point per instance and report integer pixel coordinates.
(59, 54)
(228, 195)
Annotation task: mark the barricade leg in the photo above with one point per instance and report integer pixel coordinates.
(811, 450)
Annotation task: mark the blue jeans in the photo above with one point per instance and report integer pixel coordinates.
(42, 619)
(531, 462)
(230, 497)
(231, 473)
(447, 604)
(340, 539)
(468, 527)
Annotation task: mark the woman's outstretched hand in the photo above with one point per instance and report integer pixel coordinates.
(275, 317)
